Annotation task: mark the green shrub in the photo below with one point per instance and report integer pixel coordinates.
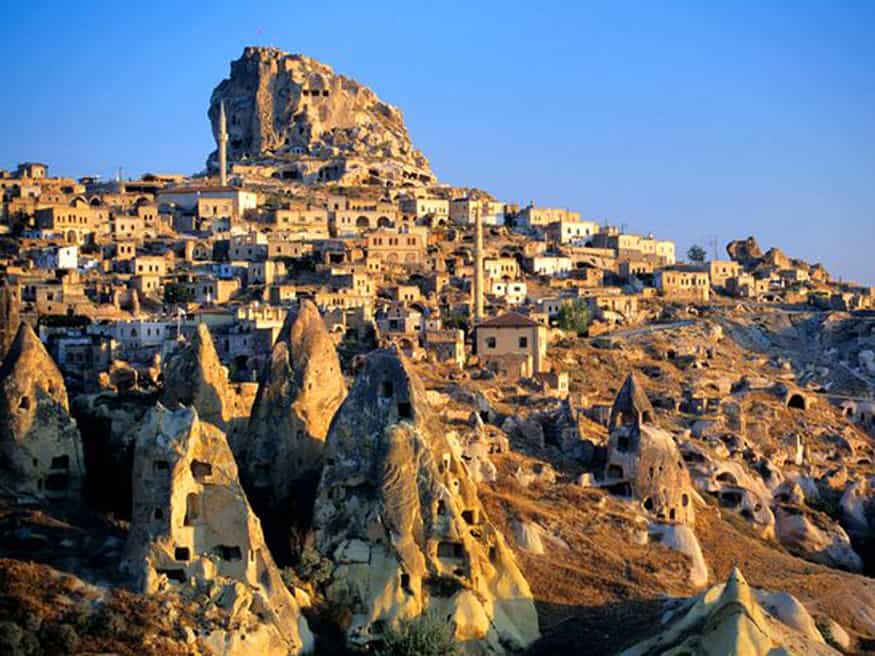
(575, 316)
(427, 635)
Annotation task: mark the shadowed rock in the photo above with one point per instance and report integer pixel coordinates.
(300, 390)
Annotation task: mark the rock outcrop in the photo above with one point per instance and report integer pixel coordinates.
(194, 376)
(300, 390)
(192, 529)
(400, 519)
(744, 251)
(311, 124)
(40, 446)
(729, 619)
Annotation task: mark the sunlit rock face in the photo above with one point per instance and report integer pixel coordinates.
(301, 389)
(730, 619)
(40, 446)
(399, 517)
(194, 376)
(192, 527)
(284, 108)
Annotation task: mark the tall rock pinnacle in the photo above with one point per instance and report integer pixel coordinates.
(312, 125)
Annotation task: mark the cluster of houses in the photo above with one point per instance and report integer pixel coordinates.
(120, 270)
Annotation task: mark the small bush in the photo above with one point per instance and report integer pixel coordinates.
(427, 635)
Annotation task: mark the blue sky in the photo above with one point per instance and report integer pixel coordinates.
(692, 120)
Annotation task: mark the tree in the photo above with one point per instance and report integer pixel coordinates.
(575, 316)
(696, 253)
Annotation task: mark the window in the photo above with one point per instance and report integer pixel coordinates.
(490, 342)
(524, 342)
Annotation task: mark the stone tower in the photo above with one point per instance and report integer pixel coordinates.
(478, 268)
(223, 146)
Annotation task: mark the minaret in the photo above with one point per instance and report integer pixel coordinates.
(223, 146)
(478, 268)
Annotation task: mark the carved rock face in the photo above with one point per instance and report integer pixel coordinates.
(192, 524)
(300, 391)
(40, 445)
(283, 105)
(399, 517)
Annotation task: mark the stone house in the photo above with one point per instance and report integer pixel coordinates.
(686, 284)
(721, 271)
(513, 335)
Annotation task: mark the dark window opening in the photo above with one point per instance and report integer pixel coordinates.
(615, 471)
(162, 465)
(57, 482)
(173, 574)
(524, 342)
(648, 504)
(405, 410)
(730, 499)
(470, 516)
(158, 514)
(182, 553)
(61, 462)
(796, 401)
(405, 583)
(622, 444)
(451, 550)
(229, 552)
(386, 389)
(672, 514)
(192, 509)
(24, 403)
(201, 470)
(441, 508)
(685, 500)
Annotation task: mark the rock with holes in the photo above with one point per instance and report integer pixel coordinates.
(40, 446)
(307, 123)
(299, 392)
(729, 619)
(644, 462)
(399, 517)
(194, 376)
(192, 528)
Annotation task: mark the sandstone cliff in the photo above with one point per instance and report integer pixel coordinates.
(291, 109)
(300, 390)
(400, 518)
(40, 446)
(192, 530)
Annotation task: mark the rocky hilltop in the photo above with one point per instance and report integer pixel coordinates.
(296, 119)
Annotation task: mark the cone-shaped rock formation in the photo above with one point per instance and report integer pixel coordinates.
(300, 390)
(399, 517)
(40, 446)
(192, 526)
